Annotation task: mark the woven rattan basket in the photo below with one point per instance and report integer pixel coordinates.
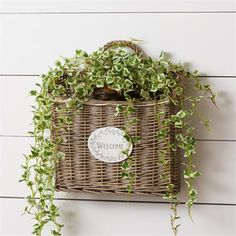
(80, 171)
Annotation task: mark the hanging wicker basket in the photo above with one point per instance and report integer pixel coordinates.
(80, 171)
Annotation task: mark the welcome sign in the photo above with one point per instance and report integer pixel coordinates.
(108, 144)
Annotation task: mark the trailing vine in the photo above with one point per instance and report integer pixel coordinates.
(132, 78)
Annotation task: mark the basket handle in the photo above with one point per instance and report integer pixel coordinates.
(125, 44)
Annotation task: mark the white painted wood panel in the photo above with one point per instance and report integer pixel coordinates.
(16, 115)
(223, 117)
(15, 105)
(216, 160)
(203, 33)
(121, 219)
(116, 6)
(32, 42)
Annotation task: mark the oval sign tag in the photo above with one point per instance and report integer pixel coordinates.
(108, 144)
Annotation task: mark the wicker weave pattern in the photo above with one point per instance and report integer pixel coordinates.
(80, 171)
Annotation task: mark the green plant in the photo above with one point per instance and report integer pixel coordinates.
(132, 77)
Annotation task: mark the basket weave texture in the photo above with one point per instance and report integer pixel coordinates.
(80, 171)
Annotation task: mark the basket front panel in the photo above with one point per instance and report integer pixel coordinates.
(80, 171)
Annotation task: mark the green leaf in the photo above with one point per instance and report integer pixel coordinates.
(136, 139)
(58, 63)
(154, 88)
(160, 85)
(161, 77)
(179, 137)
(144, 94)
(181, 114)
(119, 108)
(128, 83)
(190, 130)
(173, 147)
(130, 109)
(192, 192)
(33, 92)
(179, 124)
(100, 83)
(125, 165)
(179, 91)
(109, 80)
(126, 72)
(118, 86)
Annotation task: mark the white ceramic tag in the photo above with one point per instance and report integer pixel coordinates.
(108, 143)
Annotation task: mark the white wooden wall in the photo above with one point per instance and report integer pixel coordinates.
(203, 33)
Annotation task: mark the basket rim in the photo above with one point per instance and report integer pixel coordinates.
(112, 103)
(94, 102)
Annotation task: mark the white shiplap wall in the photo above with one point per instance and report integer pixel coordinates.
(203, 33)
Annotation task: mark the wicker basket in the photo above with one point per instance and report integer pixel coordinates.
(80, 171)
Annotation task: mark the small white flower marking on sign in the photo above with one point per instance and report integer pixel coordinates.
(108, 144)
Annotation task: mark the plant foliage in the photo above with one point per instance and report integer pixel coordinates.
(133, 78)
